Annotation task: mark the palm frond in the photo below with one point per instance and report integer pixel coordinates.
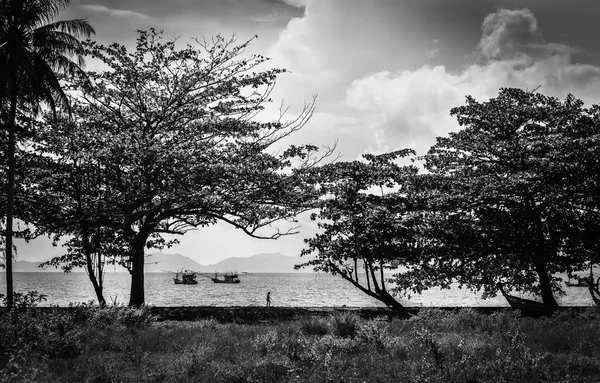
(78, 28)
(35, 13)
(47, 50)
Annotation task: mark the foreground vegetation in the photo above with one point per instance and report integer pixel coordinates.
(120, 344)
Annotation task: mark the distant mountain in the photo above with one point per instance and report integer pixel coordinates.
(160, 262)
(32, 267)
(261, 263)
(258, 263)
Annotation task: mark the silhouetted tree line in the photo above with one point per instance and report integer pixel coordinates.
(164, 140)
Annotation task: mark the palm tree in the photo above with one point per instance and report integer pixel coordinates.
(35, 52)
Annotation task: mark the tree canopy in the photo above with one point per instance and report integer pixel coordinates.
(169, 140)
(509, 198)
(366, 224)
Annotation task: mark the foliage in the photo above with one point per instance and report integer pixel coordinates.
(345, 325)
(314, 326)
(168, 140)
(23, 301)
(35, 52)
(366, 221)
(31, 335)
(508, 198)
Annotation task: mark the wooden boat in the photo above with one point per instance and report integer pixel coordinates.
(595, 292)
(185, 277)
(227, 278)
(529, 307)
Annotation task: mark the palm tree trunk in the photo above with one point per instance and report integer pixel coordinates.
(10, 197)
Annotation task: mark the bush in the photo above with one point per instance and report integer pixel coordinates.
(58, 333)
(24, 301)
(345, 325)
(516, 362)
(50, 335)
(314, 326)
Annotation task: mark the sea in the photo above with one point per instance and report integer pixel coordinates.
(291, 290)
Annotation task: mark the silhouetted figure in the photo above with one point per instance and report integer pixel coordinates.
(269, 299)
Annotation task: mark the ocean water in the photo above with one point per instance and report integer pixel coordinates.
(294, 289)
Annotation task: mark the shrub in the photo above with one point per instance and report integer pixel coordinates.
(345, 325)
(370, 334)
(24, 301)
(314, 326)
(516, 362)
(21, 367)
(265, 343)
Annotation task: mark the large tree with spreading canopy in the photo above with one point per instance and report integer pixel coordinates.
(171, 140)
(512, 197)
(367, 227)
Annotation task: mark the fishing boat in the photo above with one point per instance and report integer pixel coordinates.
(185, 277)
(528, 306)
(594, 287)
(227, 278)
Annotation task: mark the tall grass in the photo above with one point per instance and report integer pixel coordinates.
(123, 345)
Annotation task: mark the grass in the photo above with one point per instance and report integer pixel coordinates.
(124, 345)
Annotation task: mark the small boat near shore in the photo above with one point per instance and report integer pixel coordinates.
(227, 278)
(185, 277)
(528, 306)
(595, 292)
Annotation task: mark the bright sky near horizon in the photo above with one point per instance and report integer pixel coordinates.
(386, 72)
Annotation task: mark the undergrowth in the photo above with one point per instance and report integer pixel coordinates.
(117, 344)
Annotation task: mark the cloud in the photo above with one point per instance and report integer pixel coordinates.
(125, 13)
(507, 31)
(409, 108)
(297, 3)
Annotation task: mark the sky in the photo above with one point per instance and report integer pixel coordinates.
(385, 72)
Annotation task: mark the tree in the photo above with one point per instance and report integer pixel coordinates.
(509, 193)
(366, 222)
(34, 52)
(175, 141)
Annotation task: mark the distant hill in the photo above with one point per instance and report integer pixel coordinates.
(160, 262)
(261, 263)
(258, 263)
(32, 267)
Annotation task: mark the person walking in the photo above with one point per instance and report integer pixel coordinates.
(269, 299)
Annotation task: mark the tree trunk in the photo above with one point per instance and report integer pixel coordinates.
(96, 281)
(10, 197)
(545, 286)
(136, 296)
(99, 293)
(381, 295)
(92, 269)
(539, 256)
(392, 303)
